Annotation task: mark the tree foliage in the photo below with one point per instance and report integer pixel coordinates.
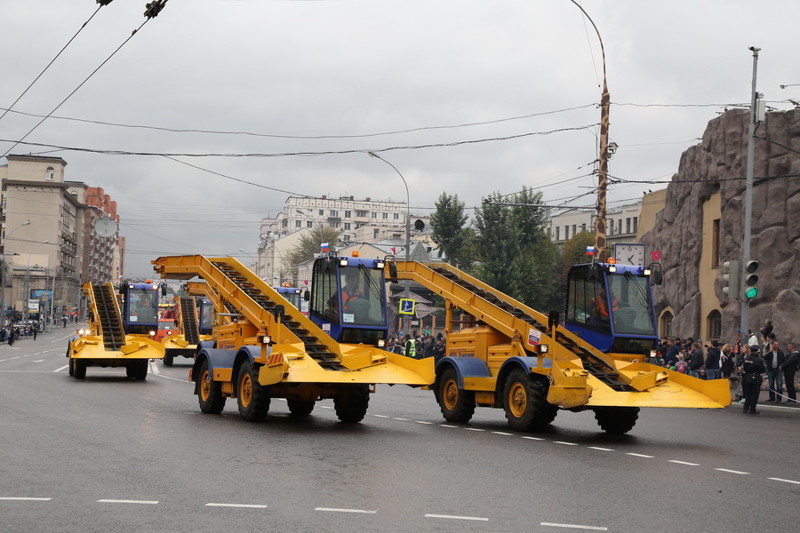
(516, 255)
(308, 245)
(449, 231)
(574, 251)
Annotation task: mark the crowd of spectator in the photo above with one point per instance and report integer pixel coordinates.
(418, 345)
(716, 360)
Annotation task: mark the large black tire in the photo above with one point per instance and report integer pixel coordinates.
(616, 420)
(137, 369)
(79, 371)
(351, 403)
(209, 392)
(167, 359)
(300, 407)
(71, 367)
(252, 397)
(525, 401)
(457, 405)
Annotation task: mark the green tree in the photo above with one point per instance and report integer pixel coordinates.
(574, 251)
(517, 257)
(309, 245)
(449, 231)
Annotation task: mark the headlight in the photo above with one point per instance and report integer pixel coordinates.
(381, 343)
(152, 333)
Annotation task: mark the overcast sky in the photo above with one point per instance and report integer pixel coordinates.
(466, 97)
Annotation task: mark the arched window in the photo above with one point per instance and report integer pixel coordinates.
(714, 325)
(665, 323)
(49, 173)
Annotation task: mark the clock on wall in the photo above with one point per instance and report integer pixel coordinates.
(105, 227)
(630, 253)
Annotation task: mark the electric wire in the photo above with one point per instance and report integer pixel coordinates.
(9, 108)
(81, 84)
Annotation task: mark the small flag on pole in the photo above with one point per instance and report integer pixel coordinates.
(324, 247)
(590, 250)
(394, 250)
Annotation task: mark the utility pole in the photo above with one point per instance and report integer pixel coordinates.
(744, 324)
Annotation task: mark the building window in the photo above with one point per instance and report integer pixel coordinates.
(397, 216)
(715, 244)
(558, 233)
(583, 227)
(362, 214)
(309, 224)
(627, 225)
(635, 224)
(714, 324)
(297, 223)
(665, 324)
(322, 212)
(574, 229)
(334, 213)
(346, 226)
(566, 232)
(50, 173)
(374, 215)
(385, 216)
(611, 226)
(347, 214)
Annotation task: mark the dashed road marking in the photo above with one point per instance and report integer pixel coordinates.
(134, 502)
(424, 422)
(532, 438)
(565, 442)
(238, 505)
(503, 433)
(599, 449)
(474, 429)
(792, 481)
(23, 499)
(338, 510)
(574, 526)
(62, 368)
(643, 456)
(457, 517)
(683, 463)
(733, 471)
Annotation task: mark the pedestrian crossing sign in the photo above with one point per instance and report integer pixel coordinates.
(406, 306)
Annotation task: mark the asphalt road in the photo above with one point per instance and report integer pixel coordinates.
(113, 454)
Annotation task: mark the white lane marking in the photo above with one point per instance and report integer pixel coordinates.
(401, 419)
(38, 360)
(17, 357)
(565, 442)
(162, 376)
(793, 482)
(599, 449)
(62, 368)
(574, 526)
(643, 456)
(336, 510)
(502, 433)
(237, 505)
(137, 502)
(447, 426)
(424, 422)
(732, 471)
(380, 416)
(456, 517)
(683, 463)
(23, 499)
(532, 438)
(474, 429)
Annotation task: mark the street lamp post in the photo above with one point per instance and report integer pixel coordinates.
(408, 223)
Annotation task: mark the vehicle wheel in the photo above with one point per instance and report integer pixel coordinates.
(457, 405)
(71, 367)
(300, 407)
(139, 369)
(616, 420)
(253, 398)
(167, 359)
(351, 403)
(525, 401)
(209, 392)
(79, 370)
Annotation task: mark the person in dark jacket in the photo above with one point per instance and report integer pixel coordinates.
(790, 365)
(713, 369)
(773, 358)
(696, 361)
(752, 368)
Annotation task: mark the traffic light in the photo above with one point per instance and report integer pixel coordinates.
(730, 279)
(750, 280)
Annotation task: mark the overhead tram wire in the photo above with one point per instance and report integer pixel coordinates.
(313, 137)
(9, 108)
(152, 10)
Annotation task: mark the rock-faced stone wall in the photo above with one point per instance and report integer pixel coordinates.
(719, 163)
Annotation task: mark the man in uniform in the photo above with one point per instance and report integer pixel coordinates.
(752, 368)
